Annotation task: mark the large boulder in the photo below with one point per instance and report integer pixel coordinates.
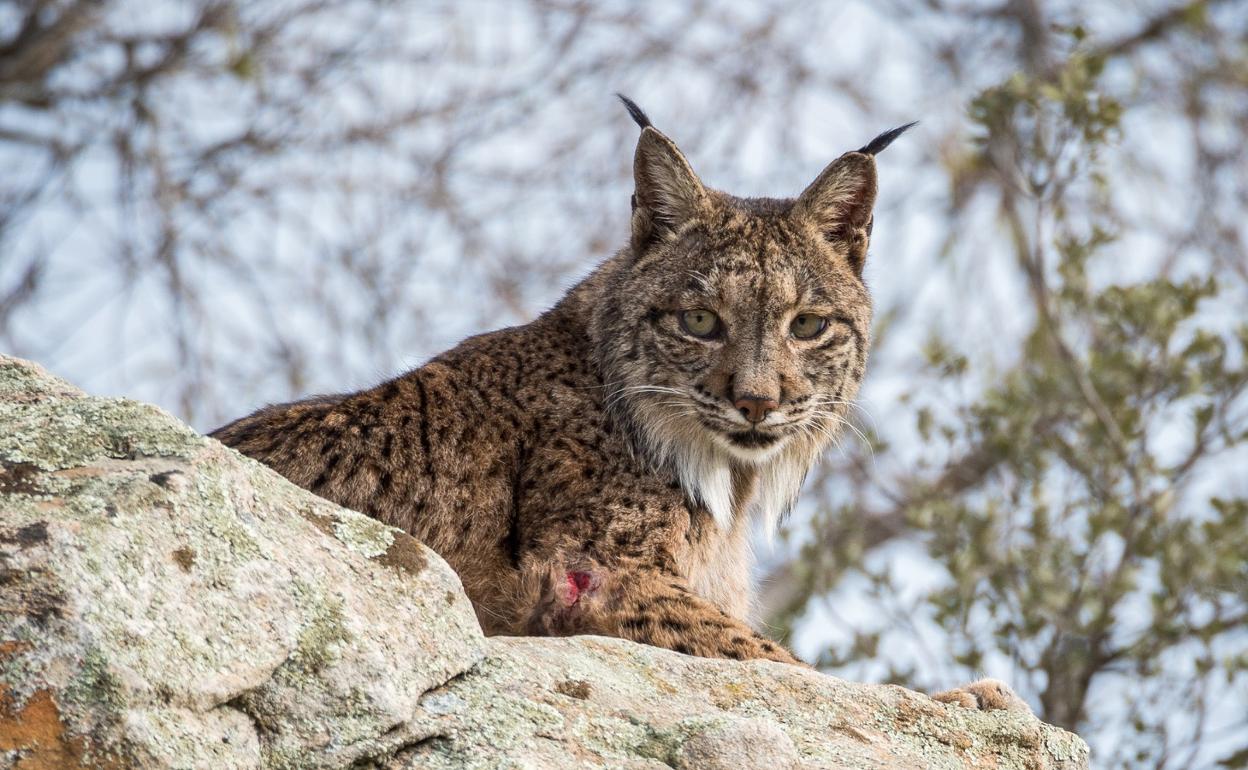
(168, 603)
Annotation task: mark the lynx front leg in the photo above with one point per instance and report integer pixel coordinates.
(985, 695)
(647, 606)
(652, 607)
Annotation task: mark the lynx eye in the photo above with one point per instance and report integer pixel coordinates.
(807, 326)
(700, 323)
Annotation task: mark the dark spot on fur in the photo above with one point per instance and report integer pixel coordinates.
(635, 623)
(675, 625)
(331, 463)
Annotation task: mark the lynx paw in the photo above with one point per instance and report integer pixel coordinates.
(984, 695)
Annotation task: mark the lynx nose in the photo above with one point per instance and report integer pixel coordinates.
(755, 408)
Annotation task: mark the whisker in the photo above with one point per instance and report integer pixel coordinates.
(832, 400)
(841, 421)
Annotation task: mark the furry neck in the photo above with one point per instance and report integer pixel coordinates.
(763, 487)
(730, 488)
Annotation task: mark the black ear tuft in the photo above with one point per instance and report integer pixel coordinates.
(877, 145)
(636, 112)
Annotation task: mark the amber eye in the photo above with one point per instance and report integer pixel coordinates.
(807, 326)
(700, 323)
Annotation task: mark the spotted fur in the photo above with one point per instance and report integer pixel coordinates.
(594, 471)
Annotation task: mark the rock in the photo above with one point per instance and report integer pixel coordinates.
(737, 743)
(167, 603)
(599, 702)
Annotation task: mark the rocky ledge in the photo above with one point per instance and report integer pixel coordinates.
(168, 603)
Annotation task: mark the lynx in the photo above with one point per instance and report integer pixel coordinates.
(598, 470)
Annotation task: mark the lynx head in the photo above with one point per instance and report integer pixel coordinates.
(733, 332)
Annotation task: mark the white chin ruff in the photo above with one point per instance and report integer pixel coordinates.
(704, 462)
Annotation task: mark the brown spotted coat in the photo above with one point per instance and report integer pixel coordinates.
(598, 470)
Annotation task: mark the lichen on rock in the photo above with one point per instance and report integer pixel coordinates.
(175, 604)
(168, 603)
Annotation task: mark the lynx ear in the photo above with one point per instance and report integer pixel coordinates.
(840, 200)
(839, 204)
(667, 192)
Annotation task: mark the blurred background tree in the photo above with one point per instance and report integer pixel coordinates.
(210, 204)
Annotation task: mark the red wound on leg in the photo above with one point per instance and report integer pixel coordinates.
(577, 583)
(582, 580)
